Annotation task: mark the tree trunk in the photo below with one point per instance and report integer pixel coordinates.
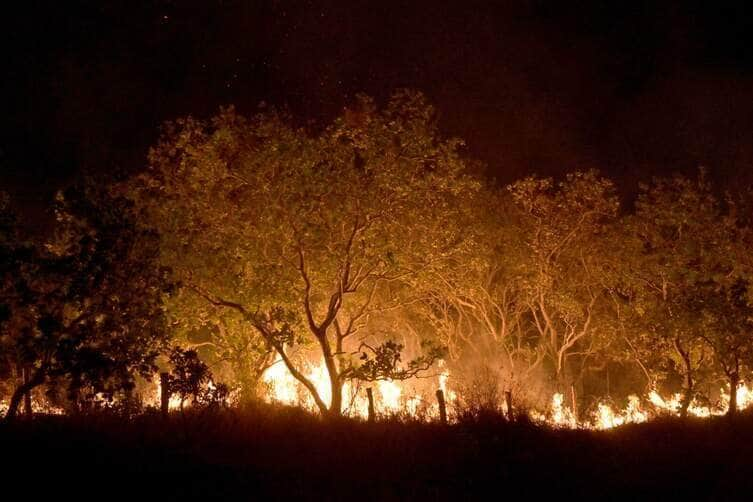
(23, 389)
(75, 400)
(734, 380)
(336, 405)
(164, 381)
(687, 395)
(574, 402)
(336, 388)
(688, 385)
(27, 395)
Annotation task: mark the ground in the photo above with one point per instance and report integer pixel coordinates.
(268, 454)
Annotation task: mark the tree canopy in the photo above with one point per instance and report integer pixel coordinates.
(84, 308)
(307, 234)
(363, 246)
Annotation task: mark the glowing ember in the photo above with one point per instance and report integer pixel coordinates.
(390, 393)
(283, 387)
(561, 416)
(37, 407)
(606, 418)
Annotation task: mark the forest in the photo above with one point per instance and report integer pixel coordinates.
(266, 259)
(356, 250)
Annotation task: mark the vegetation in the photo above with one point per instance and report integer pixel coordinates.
(365, 245)
(309, 235)
(83, 312)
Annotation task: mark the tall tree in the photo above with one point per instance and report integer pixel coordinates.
(723, 295)
(562, 224)
(479, 305)
(670, 251)
(726, 326)
(88, 306)
(14, 254)
(308, 234)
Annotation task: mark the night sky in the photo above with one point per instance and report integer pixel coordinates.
(632, 88)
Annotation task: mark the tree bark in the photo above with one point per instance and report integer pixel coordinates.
(164, 380)
(335, 407)
(574, 401)
(27, 395)
(688, 385)
(734, 380)
(23, 389)
(687, 395)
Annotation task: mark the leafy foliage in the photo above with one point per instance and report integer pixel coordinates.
(304, 234)
(86, 308)
(191, 378)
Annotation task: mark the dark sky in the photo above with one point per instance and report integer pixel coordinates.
(632, 88)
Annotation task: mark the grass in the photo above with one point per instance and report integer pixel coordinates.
(271, 453)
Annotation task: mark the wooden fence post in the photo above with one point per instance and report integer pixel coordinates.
(508, 402)
(164, 382)
(442, 407)
(370, 395)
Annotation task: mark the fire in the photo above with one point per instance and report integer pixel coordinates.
(443, 378)
(390, 393)
(390, 396)
(561, 416)
(606, 417)
(403, 397)
(37, 407)
(395, 397)
(282, 384)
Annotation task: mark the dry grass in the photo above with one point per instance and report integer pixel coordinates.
(282, 453)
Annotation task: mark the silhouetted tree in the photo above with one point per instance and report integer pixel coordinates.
(191, 378)
(14, 255)
(88, 308)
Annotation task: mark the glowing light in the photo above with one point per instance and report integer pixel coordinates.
(43, 408)
(561, 416)
(394, 396)
(390, 396)
(390, 392)
(283, 387)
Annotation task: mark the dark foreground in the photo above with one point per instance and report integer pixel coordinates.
(284, 454)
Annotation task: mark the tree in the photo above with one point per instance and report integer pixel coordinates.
(14, 253)
(727, 328)
(309, 234)
(671, 251)
(479, 304)
(191, 378)
(563, 226)
(88, 306)
(722, 296)
(222, 338)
